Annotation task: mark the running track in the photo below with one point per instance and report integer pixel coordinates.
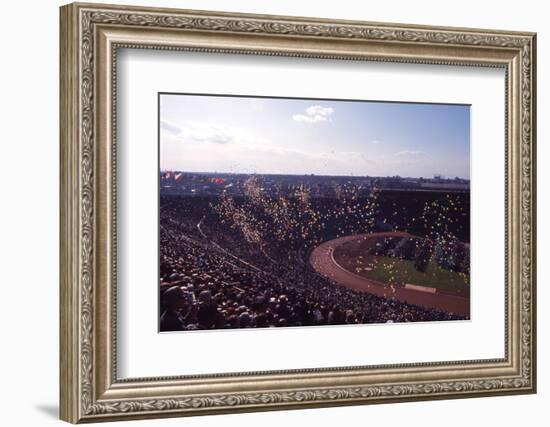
(323, 262)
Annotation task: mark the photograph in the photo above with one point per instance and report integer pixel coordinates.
(278, 209)
(279, 212)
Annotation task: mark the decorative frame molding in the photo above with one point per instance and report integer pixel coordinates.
(90, 36)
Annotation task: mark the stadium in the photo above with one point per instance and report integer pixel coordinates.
(245, 251)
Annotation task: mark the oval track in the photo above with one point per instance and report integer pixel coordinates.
(322, 260)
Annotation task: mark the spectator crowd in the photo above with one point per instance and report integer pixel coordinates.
(213, 276)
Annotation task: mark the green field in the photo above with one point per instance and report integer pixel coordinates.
(353, 257)
(399, 271)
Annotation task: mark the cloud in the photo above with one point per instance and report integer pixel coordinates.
(408, 153)
(203, 132)
(314, 114)
(376, 142)
(366, 159)
(170, 127)
(215, 134)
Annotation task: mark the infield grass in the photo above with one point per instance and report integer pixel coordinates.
(399, 271)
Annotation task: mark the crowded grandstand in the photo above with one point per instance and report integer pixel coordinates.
(234, 250)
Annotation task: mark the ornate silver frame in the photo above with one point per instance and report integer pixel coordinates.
(90, 36)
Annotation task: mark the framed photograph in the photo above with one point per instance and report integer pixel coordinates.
(267, 212)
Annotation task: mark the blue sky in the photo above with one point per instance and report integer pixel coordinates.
(291, 136)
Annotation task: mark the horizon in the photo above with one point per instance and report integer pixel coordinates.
(442, 177)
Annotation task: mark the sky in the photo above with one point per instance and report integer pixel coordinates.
(231, 134)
